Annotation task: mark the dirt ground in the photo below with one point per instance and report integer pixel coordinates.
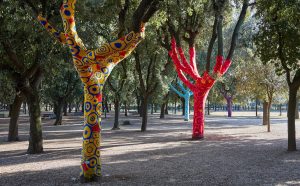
(235, 151)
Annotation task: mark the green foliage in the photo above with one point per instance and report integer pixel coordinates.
(278, 38)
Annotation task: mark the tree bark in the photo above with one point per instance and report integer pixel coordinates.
(297, 109)
(58, 111)
(70, 107)
(280, 109)
(14, 117)
(265, 113)
(126, 109)
(162, 110)
(117, 114)
(144, 114)
(183, 105)
(36, 136)
(65, 108)
(256, 107)
(166, 109)
(229, 106)
(24, 107)
(291, 119)
(152, 108)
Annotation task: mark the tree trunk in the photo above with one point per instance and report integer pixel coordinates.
(229, 106)
(126, 109)
(14, 117)
(199, 112)
(187, 108)
(58, 111)
(208, 110)
(90, 162)
(65, 108)
(152, 108)
(291, 119)
(297, 110)
(36, 136)
(144, 114)
(141, 108)
(183, 106)
(166, 109)
(24, 107)
(175, 107)
(256, 107)
(268, 116)
(117, 114)
(280, 110)
(70, 107)
(265, 113)
(162, 111)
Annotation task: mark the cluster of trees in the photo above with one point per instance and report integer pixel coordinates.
(265, 64)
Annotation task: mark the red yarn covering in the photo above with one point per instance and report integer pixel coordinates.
(201, 85)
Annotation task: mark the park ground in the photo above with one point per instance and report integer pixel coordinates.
(235, 151)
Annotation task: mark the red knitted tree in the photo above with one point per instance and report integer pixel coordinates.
(201, 85)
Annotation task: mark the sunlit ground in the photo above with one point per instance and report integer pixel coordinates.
(235, 151)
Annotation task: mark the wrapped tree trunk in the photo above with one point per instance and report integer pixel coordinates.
(94, 67)
(186, 96)
(201, 85)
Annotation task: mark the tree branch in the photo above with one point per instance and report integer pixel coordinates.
(237, 29)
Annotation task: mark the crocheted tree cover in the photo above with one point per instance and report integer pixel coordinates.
(201, 85)
(93, 67)
(186, 94)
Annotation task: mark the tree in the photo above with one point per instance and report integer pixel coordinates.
(26, 63)
(94, 67)
(278, 42)
(186, 94)
(61, 87)
(201, 85)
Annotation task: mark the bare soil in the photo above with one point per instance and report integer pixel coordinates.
(235, 151)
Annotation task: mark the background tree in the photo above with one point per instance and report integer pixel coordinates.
(278, 42)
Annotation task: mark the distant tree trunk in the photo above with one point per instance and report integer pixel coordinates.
(163, 106)
(256, 108)
(229, 106)
(166, 109)
(291, 118)
(280, 109)
(125, 108)
(266, 111)
(70, 107)
(162, 110)
(9, 110)
(117, 114)
(144, 114)
(175, 106)
(36, 136)
(208, 111)
(14, 117)
(152, 108)
(46, 107)
(24, 107)
(58, 111)
(183, 107)
(65, 108)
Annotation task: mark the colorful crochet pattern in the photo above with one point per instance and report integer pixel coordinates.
(93, 67)
(186, 94)
(201, 85)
